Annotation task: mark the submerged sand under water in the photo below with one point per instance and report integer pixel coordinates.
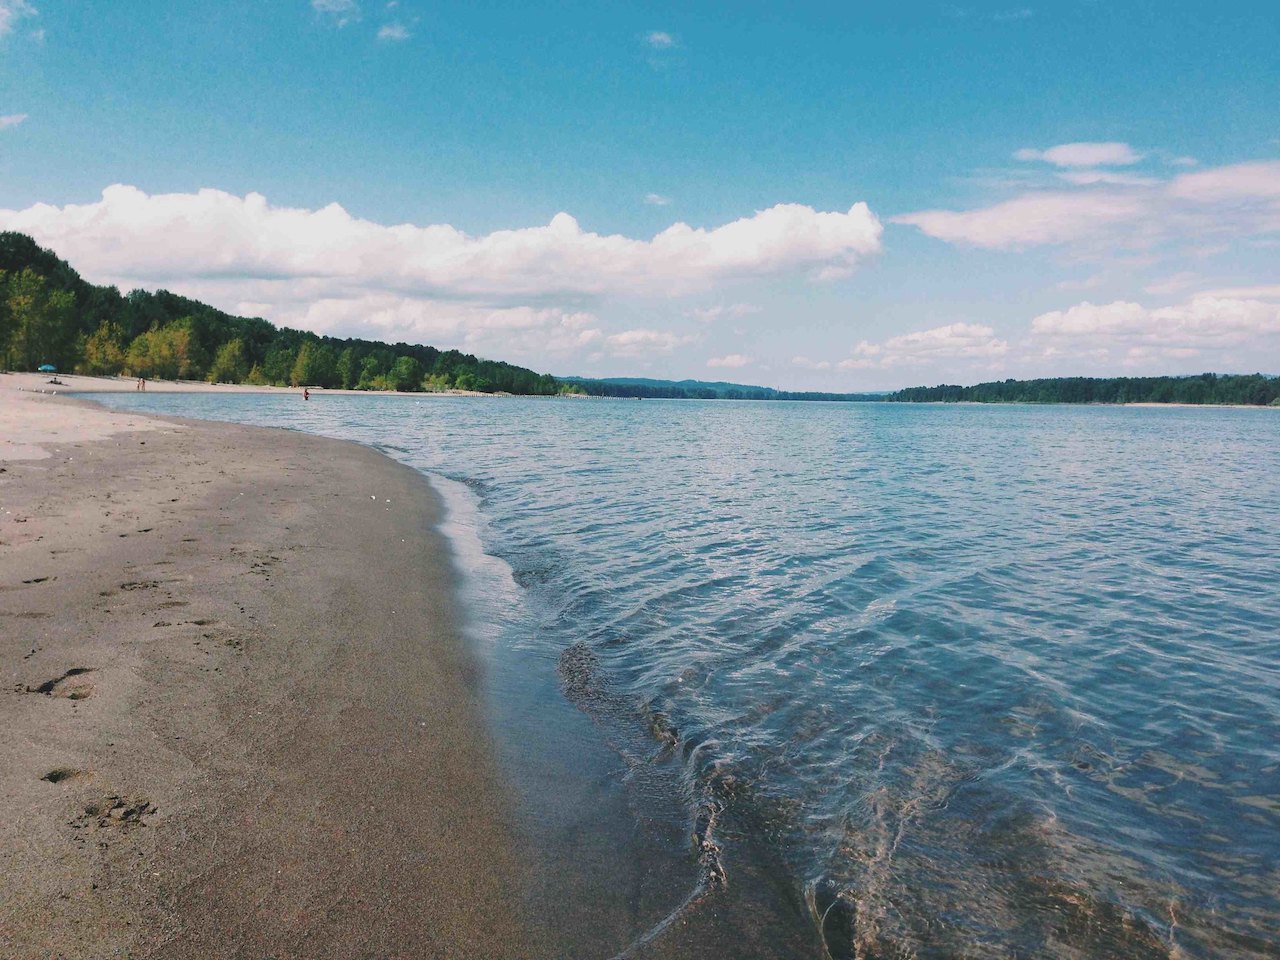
(946, 681)
(240, 722)
(780, 680)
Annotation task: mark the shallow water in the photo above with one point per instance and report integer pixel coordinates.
(953, 681)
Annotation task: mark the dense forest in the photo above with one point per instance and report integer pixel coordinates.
(643, 388)
(1250, 389)
(49, 314)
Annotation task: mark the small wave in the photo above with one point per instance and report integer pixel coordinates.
(975, 684)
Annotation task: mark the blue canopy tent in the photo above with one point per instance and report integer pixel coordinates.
(47, 368)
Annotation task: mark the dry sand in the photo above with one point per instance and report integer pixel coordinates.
(237, 720)
(67, 382)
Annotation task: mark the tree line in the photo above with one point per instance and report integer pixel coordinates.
(50, 314)
(645, 389)
(1253, 389)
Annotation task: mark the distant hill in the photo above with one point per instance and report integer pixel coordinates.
(645, 387)
(1253, 389)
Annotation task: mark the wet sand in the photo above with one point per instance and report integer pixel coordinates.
(237, 718)
(239, 721)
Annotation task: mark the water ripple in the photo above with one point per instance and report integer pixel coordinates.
(988, 681)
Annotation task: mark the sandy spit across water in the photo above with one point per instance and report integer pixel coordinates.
(79, 383)
(236, 718)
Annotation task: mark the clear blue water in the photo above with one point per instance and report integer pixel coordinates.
(983, 681)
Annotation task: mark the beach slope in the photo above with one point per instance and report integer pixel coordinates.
(238, 721)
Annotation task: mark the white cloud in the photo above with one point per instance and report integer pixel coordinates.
(1083, 283)
(955, 341)
(807, 364)
(1243, 181)
(530, 294)
(636, 344)
(1084, 178)
(659, 40)
(130, 236)
(1175, 283)
(12, 120)
(11, 11)
(536, 336)
(708, 314)
(831, 272)
(1205, 326)
(394, 32)
(733, 361)
(342, 12)
(1032, 219)
(1110, 211)
(1262, 292)
(1018, 13)
(656, 200)
(1083, 155)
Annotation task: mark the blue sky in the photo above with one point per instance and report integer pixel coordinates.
(1066, 188)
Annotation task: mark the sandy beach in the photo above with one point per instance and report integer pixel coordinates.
(80, 383)
(223, 735)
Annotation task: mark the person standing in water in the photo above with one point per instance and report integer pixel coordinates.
(306, 393)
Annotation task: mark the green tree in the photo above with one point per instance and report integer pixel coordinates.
(103, 351)
(41, 321)
(324, 366)
(169, 352)
(301, 373)
(370, 374)
(277, 365)
(48, 313)
(228, 363)
(7, 324)
(345, 370)
(22, 293)
(405, 374)
(316, 365)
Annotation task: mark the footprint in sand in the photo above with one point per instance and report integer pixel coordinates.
(72, 685)
(140, 585)
(64, 775)
(116, 812)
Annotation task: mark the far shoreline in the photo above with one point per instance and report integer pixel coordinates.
(87, 383)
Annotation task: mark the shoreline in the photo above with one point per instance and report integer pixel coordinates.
(222, 738)
(86, 384)
(545, 856)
